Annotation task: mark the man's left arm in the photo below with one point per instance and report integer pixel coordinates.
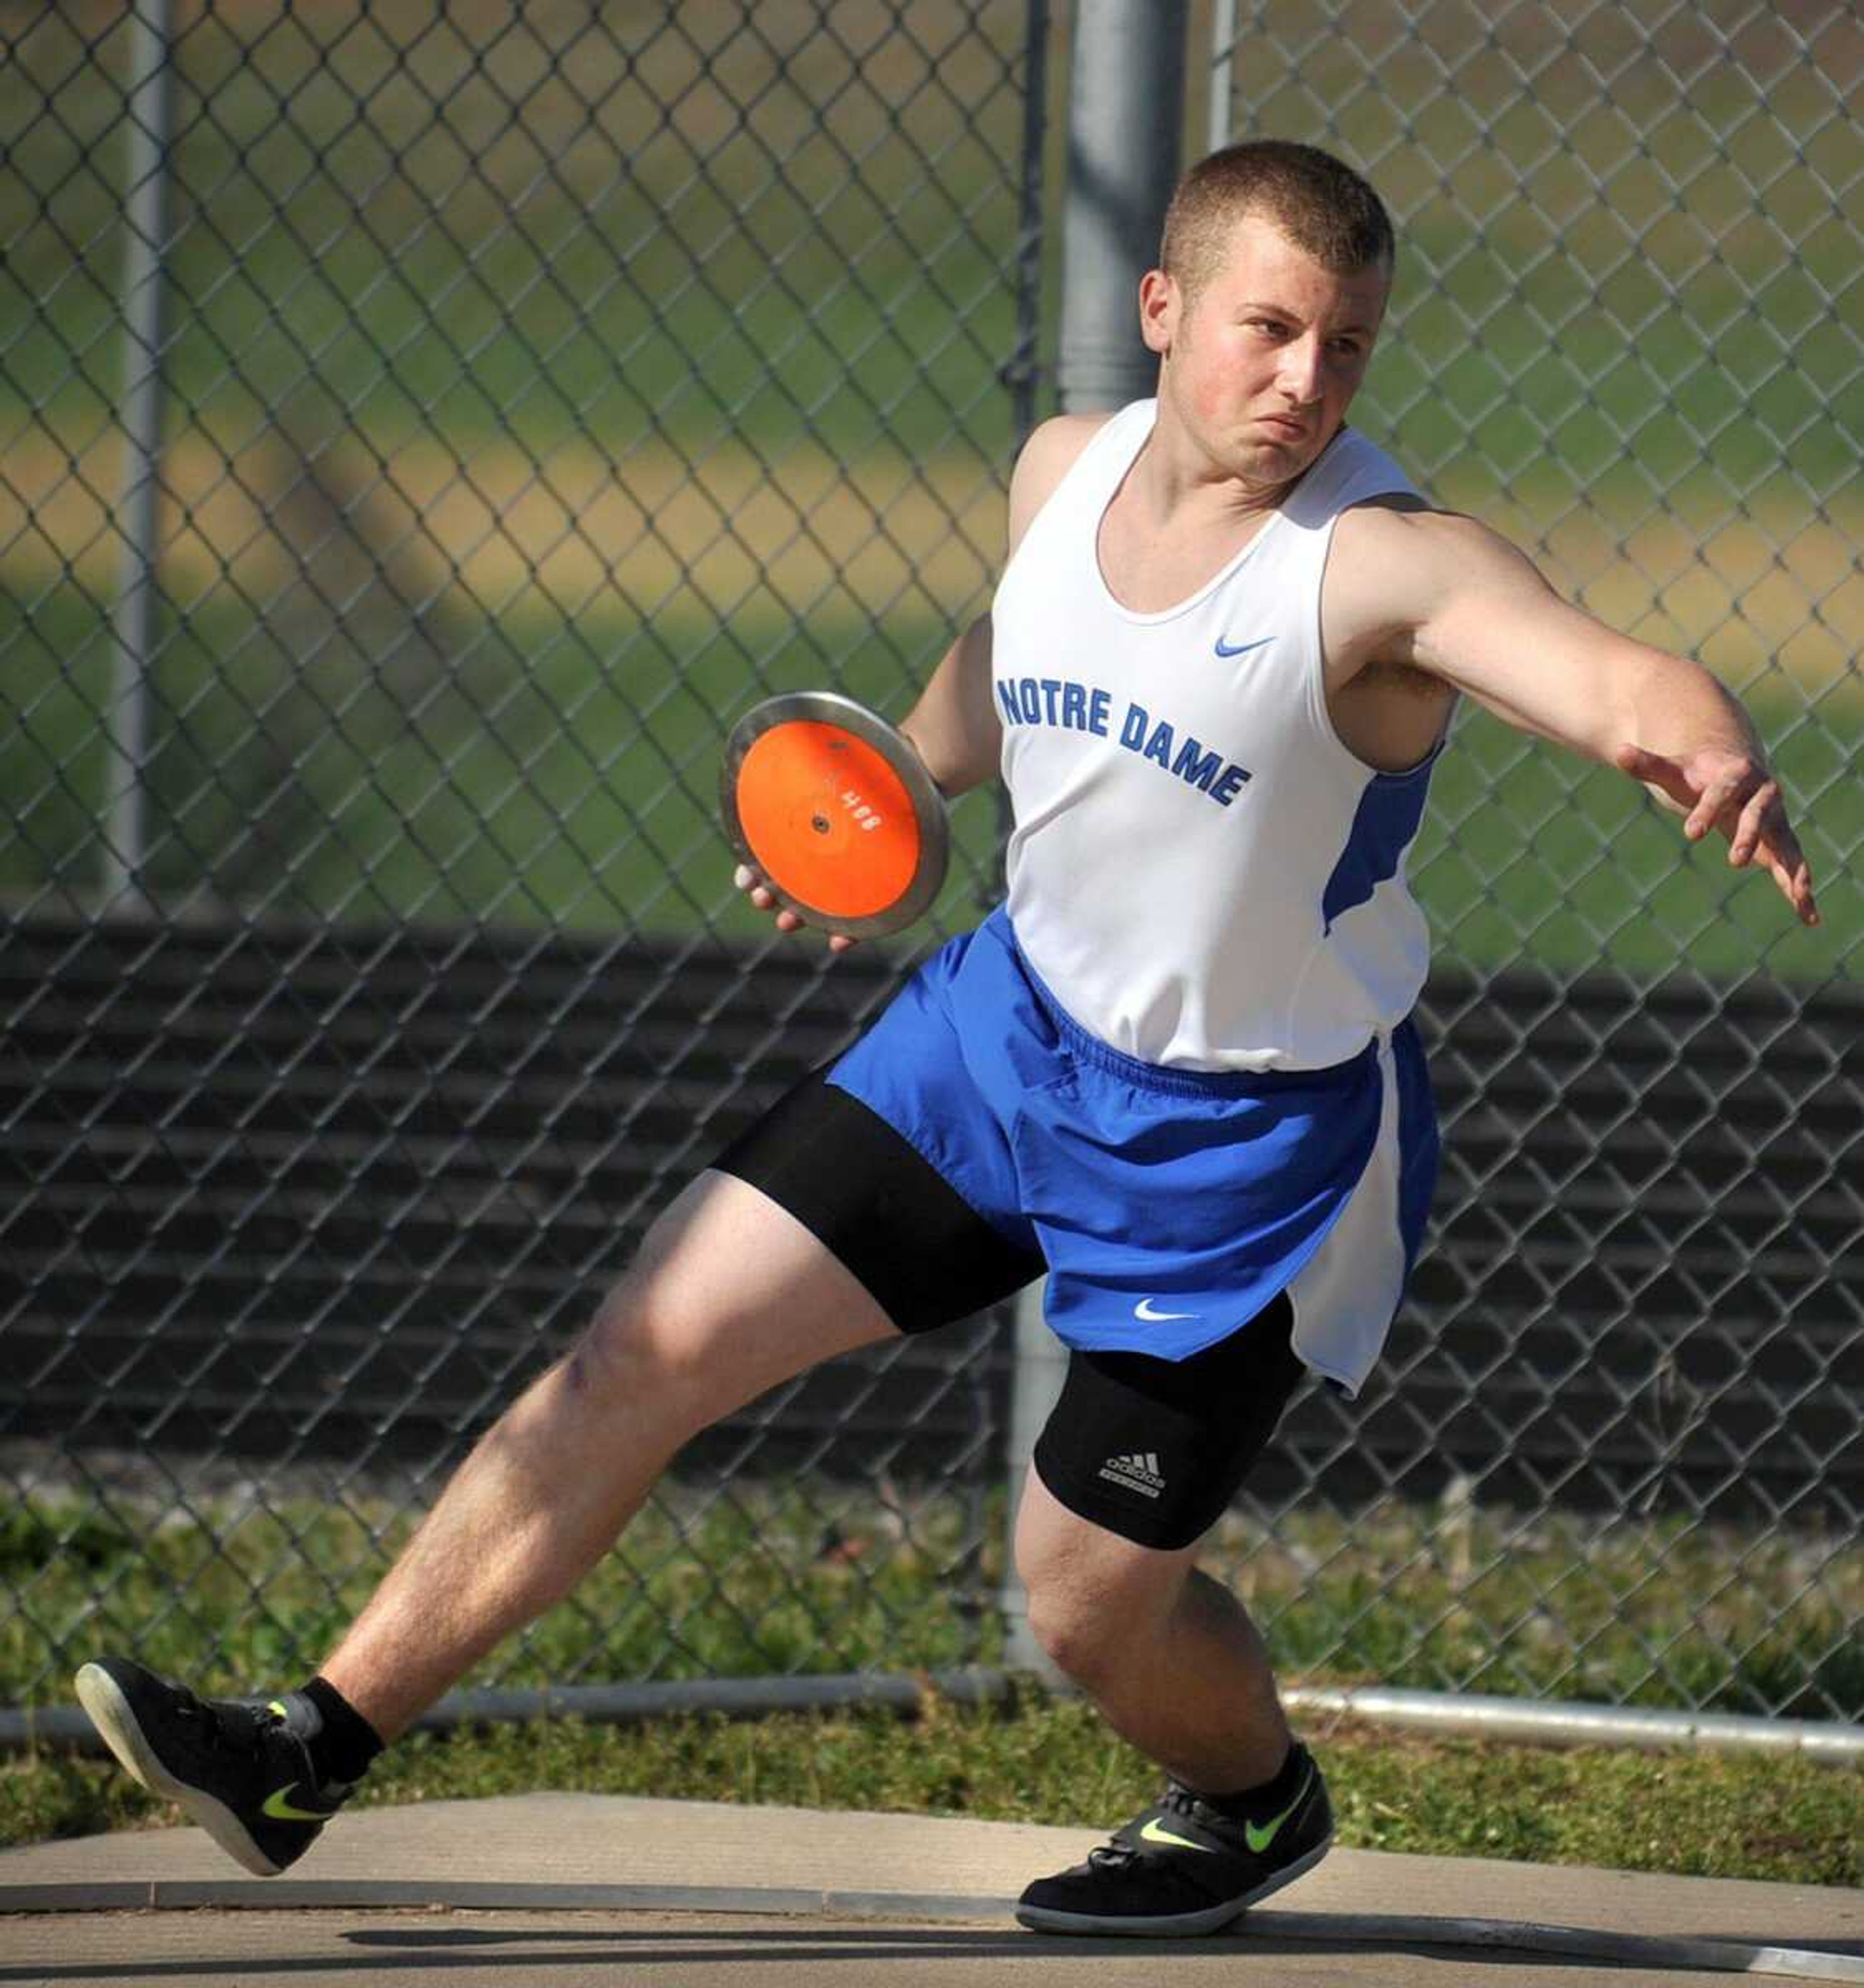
(1452, 599)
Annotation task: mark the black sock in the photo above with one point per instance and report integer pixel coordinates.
(1257, 1804)
(344, 1749)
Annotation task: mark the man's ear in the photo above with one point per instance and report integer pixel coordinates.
(1161, 304)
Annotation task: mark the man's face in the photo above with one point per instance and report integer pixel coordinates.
(1261, 362)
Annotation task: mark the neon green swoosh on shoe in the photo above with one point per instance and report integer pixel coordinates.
(1155, 1831)
(1259, 1838)
(281, 1810)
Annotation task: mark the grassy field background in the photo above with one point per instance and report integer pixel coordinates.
(238, 1596)
(544, 391)
(745, 1580)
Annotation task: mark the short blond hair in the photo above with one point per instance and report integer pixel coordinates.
(1325, 207)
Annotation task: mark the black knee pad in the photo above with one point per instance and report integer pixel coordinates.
(1155, 1449)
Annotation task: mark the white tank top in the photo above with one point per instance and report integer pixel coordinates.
(1200, 871)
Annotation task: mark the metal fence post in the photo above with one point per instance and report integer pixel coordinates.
(145, 235)
(1126, 121)
(1223, 73)
(1125, 116)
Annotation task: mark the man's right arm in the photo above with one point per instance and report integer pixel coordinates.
(954, 725)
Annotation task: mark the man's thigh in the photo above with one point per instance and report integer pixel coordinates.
(728, 1296)
(820, 1230)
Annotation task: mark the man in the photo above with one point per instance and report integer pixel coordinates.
(1175, 1073)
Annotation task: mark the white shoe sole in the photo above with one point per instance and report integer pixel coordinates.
(109, 1710)
(1178, 1925)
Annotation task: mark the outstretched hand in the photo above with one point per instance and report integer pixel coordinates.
(749, 882)
(1737, 794)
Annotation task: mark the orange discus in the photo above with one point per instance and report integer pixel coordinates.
(836, 810)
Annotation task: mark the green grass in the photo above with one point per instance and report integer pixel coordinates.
(735, 1582)
(747, 1579)
(1053, 1761)
(1659, 1613)
(578, 788)
(752, 1581)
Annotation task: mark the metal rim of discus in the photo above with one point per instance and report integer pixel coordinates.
(830, 709)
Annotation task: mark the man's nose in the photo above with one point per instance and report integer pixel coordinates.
(1300, 370)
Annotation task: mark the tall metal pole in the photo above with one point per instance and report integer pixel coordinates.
(1126, 124)
(1023, 373)
(1125, 134)
(1223, 71)
(146, 236)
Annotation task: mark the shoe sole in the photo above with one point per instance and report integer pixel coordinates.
(1178, 1925)
(109, 1711)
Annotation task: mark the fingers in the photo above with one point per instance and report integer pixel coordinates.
(1724, 792)
(1741, 798)
(1639, 764)
(1663, 776)
(754, 886)
(761, 895)
(1702, 793)
(1796, 887)
(1745, 838)
(1760, 829)
(749, 881)
(1778, 849)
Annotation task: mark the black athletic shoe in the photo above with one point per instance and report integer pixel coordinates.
(241, 1771)
(1183, 1868)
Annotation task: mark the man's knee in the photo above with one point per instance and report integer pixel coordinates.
(631, 1363)
(1094, 1600)
(1078, 1640)
(728, 1296)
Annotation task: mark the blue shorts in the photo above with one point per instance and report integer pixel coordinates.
(1171, 1206)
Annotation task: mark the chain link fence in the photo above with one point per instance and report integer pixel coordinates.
(425, 428)
(538, 388)
(1626, 333)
